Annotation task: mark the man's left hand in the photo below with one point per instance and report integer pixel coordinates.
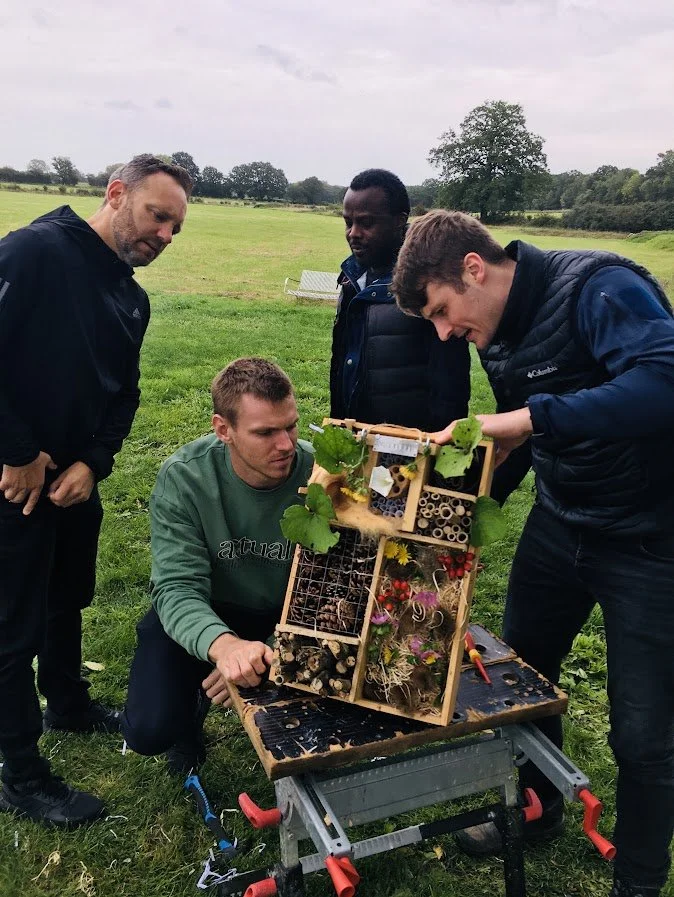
(215, 686)
(73, 486)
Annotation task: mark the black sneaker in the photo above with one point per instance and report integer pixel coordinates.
(95, 718)
(186, 756)
(51, 801)
(622, 888)
(485, 840)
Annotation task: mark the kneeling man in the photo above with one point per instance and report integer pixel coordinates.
(220, 563)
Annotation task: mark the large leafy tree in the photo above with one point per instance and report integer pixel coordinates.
(213, 183)
(258, 180)
(493, 164)
(658, 181)
(66, 173)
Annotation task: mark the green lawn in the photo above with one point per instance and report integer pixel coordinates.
(217, 294)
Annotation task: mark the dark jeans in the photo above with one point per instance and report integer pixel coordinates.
(47, 575)
(558, 574)
(164, 683)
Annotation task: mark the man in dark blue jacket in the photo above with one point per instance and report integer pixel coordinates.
(388, 367)
(72, 320)
(579, 350)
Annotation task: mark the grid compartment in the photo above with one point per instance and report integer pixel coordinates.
(331, 590)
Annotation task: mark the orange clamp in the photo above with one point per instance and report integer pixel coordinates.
(258, 817)
(265, 888)
(343, 874)
(593, 808)
(533, 808)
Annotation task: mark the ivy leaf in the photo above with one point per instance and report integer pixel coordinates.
(489, 523)
(310, 524)
(467, 433)
(337, 448)
(453, 460)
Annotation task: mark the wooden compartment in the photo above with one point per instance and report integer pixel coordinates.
(335, 602)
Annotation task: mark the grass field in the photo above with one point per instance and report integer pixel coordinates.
(217, 294)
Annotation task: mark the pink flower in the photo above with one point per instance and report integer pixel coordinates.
(380, 619)
(416, 644)
(426, 599)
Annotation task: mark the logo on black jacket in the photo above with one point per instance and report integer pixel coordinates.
(542, 372)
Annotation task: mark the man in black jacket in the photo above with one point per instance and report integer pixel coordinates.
(388, 367)
(579, 350)
(72, 320)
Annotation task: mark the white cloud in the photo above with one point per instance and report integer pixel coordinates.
(330, 89)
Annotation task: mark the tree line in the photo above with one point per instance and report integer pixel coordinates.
(493, 166)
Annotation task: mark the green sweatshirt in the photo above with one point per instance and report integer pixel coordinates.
(217, 547)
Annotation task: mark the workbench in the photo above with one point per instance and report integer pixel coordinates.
(336, 765)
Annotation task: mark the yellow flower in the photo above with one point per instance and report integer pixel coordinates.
(403, 555)
(354, 496)
(386, 654)
(391, 550)
(409, 471)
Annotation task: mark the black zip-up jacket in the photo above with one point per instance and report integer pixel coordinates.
(388, 367)
(72, 320)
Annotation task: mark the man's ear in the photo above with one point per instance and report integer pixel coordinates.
(115, 193)
(222, 428)
(474, 266)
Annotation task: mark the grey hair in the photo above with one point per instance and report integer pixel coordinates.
(145, 165)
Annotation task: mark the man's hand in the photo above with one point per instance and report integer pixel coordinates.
(73, 486)
(508, 430)
(240, 661)
(215, 686)
(25, 483)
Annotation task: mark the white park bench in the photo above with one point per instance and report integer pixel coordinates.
(313, 285)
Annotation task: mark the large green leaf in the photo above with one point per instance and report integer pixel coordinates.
(336, 447)
(453, 460)
(310, 524)
(467, 433)
(489, 523)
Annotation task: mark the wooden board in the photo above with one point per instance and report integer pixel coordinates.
(293, 733)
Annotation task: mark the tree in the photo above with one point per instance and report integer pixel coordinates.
(424, 194)
(101, 179)
(213, 183)
(495, 162)
(37, 172)
(258, 180)
(66, 173)
(187, 162)
(311, 191)
(658, 182)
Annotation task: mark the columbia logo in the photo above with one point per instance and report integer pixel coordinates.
(4, 286)
(136, 313)
(542, 372)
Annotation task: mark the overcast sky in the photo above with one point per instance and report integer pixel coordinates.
(330, 88)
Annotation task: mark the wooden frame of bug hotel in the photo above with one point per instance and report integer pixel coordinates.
(380, 618)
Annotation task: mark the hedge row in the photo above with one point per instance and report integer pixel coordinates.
(628, 219)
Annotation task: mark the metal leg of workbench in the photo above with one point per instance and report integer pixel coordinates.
(510, 824)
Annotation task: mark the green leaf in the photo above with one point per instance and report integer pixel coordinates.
(320, 502)
(337, 448)
(452, 462)
(299, 524)
(467, 433)
(489, 523)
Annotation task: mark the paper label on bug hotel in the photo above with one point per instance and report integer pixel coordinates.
(392, 445)
(381, 481)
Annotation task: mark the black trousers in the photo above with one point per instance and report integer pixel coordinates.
(164, 684)
(47, 575)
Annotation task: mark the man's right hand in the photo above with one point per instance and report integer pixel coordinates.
(25, 483)
(240, 662)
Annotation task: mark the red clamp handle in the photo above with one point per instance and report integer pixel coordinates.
(593, 808)
(533, 808)
(343, 874)
(265, 888)
(258, 817)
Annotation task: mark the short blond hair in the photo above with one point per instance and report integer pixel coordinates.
(248, 376)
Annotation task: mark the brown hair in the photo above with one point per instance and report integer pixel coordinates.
(434, 250)
(141, 167)
(254, 376)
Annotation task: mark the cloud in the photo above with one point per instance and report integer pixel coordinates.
(291, 67)
(123, 105)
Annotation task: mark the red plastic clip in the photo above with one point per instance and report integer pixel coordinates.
(533, 808)
(344, 875)
(258, 817)
(593, 808)
(265, 888)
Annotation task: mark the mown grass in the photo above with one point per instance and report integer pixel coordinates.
(216, 295)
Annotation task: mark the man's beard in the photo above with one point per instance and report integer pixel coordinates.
(126, 238)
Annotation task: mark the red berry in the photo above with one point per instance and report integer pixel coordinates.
(381, 598)
(460, 571)
(388, 606)
(468, 566)
(470, 556)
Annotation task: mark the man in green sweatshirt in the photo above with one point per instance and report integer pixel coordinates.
(220, 563)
